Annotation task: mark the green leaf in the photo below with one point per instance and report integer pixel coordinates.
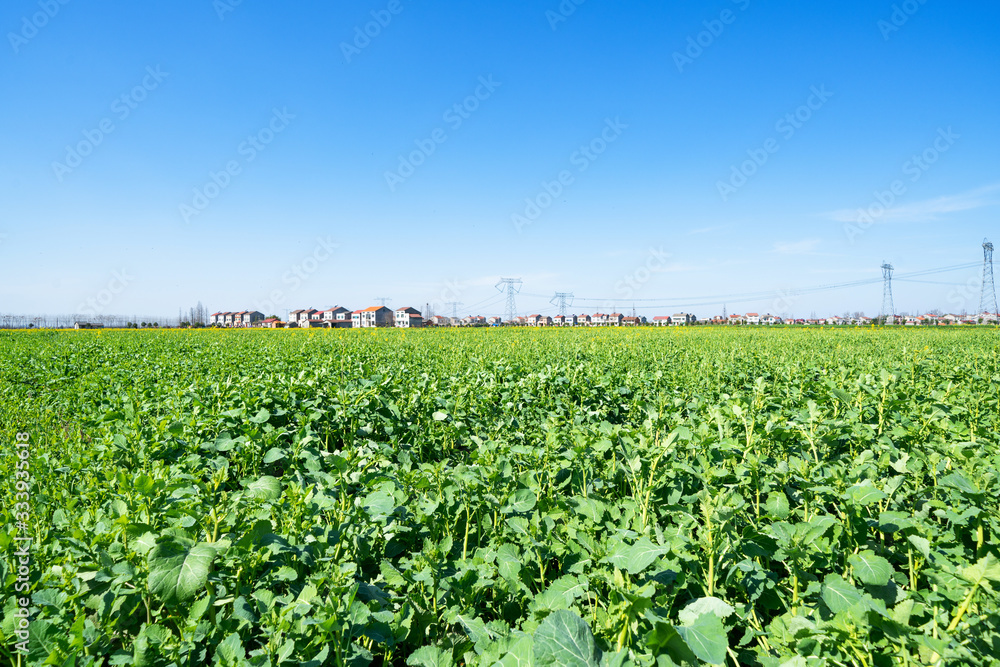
(922, 544)
(864, 494)
(642, 554)
(959, 482)
(871, 569)
(706, 638)
(231, 649)
(777, 505)
(265, 488)
(439, 416)
(706, 605)
(260, 417)
(565, 640)
(178, 569)
(523, 500)
(430, 656)
(838, 594)
(985, 570)
(274, 454)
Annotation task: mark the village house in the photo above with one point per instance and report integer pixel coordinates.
(661, 321)
(682, 319)
(494, 321)
(408, 318)
(369, 318)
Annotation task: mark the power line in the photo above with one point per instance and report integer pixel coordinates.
(721, 299)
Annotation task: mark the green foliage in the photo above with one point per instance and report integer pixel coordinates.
(506, 497)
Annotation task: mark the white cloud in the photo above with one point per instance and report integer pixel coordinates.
(806, 247)
(928, 210)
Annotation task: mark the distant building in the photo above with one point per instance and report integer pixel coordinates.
(88, 325)
(682, 319)
(408, 318)
(661, 321)
(369, 318)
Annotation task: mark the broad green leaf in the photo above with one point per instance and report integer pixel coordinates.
(261, 417)
(706, 605)
(565, 640)
(959, 482)
(274, 454)
(985, 570)
(864, 494)
(706, 638)
(777, 505)
(178, 569)
(870, 568)
(430, 656)
(265, 488)
(642, 554)
(922, 544)
(522, 500)
(520, 653)
(838, 594)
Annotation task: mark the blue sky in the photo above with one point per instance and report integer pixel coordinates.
(273, 156)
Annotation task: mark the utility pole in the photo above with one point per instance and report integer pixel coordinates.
(562, 299)
(888, 309)
(513, 286)
(988, 298)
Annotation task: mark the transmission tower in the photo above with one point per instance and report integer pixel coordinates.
(563, 300)
(513, 286)
(888, 309)
(383, 300)
(988, 299)
(454, 307)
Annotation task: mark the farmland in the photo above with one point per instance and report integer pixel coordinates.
(521, 497)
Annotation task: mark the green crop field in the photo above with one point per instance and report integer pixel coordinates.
(510, 496)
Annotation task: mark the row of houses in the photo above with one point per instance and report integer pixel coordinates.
(408, 318)
(332, 318)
